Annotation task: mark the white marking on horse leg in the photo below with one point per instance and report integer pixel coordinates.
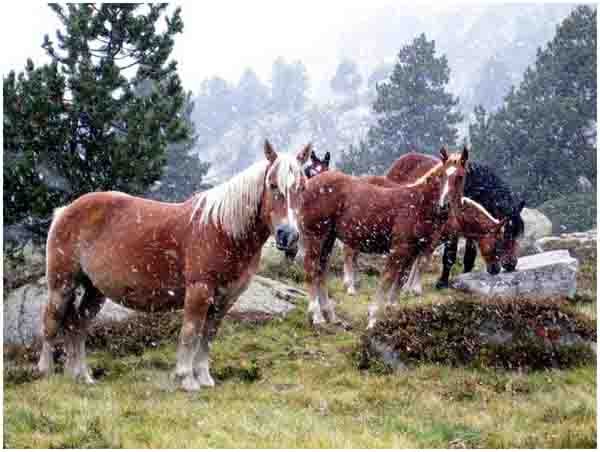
(377, 305)
(46, 362)
(413, 283)
(444, 194)
(314, 310)
(75, 364)
(201, 364)
(327, 305)
(184, 370)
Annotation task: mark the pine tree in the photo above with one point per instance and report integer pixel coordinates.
(414, 110)
(543, 138)
(183, 172)
(111, 101)
(347, 79)
(289, 85)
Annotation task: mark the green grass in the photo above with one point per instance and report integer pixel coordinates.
(286, 385)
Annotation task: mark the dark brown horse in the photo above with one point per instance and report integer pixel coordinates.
(317, 165)
(483, 186)
(198, 255)
(402, 221)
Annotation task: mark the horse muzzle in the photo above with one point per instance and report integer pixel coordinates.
(494, 269)
(510, 265)
(286, 238)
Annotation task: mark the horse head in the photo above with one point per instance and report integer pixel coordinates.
(317, 166)
(515, 227)
(284, 184)
(452, 175)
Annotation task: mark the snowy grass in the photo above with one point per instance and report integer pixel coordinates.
(285, 385)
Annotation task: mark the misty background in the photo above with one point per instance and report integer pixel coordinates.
(299, 73)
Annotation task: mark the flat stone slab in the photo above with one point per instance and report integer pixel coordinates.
(548, 274)
(23, 307)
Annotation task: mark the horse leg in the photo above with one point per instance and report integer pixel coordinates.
(413, 283)
(350, 258)
(470, 255)
(385, 284)
(198, 298)
(313, 277)
(214, 317)
(327, 306)
(53, 314)
(449, 259)
(76, 324)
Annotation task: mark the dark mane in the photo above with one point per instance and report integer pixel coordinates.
(483, 185)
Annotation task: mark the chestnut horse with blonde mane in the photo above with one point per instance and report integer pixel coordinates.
(403, 221)
(198, 255)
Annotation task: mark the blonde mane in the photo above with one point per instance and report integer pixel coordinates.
(235, 203)
(481, 208)
(425, 177)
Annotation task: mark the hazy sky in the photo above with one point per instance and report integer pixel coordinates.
(222, 37)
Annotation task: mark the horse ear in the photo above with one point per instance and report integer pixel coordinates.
(313, 156)
(304, 153)
(444, 153)
(521, 206)
(327, 158)
(270, 153)
(464, 156)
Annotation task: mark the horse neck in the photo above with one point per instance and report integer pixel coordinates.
(430, 191)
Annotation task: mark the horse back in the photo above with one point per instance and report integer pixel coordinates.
(410, 167)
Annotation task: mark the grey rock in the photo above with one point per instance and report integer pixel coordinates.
(537, 225)
(268, 296)
(387, 354)
(581, 245)
(541, 275)
(23, 307)
(584, 185)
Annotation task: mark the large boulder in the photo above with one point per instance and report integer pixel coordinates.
(541, 275)
(264, 299)
(537, 225)
(23, 265)
(581, 245)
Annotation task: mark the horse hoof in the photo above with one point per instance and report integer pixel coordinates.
(204, 378)
(442, 285)
(351, 290)
(187, 383)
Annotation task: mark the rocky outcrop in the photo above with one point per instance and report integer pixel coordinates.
(581, 245)
(537, 225)
(264, 299)
(541, 275)
(516, 333)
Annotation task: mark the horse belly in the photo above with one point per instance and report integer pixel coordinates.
(150, 282)
(366, 236)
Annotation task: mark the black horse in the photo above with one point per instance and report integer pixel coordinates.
(486, 188)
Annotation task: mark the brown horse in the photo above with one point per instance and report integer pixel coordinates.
(402, 221)
(483, 186)
(198, 255)
(473, 222)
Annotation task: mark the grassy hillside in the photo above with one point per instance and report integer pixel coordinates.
(282, 384)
